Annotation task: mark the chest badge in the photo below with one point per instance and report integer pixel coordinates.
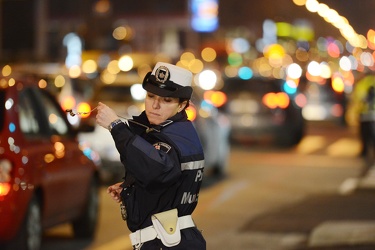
(162, 146)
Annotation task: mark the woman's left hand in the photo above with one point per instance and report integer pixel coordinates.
(105, 115)
(114, 191)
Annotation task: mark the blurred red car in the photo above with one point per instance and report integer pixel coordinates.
(46, 176)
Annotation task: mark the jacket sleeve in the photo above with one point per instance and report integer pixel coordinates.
(152, 168)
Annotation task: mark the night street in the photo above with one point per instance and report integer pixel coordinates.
(299, 198)
(254, 120)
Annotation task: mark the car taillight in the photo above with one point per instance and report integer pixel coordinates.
(276, 100)
(5, 169)
(4, 189)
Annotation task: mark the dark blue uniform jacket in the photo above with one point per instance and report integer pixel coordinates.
(163, 165)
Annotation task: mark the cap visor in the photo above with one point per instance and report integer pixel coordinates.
(156, 90)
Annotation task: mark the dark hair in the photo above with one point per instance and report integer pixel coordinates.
(181, 100)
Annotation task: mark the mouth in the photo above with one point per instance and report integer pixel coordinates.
(154, 114)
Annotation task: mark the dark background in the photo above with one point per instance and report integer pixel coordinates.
(18, 16)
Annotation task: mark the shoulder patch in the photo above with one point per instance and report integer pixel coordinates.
(162, 146)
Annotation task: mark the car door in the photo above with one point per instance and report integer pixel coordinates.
(61, 168)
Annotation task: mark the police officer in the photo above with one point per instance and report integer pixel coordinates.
(163, 160)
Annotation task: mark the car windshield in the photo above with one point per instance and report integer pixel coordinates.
(2, 109)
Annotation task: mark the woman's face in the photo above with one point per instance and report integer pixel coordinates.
(158, 109)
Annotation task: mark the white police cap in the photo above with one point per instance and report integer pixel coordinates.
(169, 80)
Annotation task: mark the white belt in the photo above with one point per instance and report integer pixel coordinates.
(149, 233)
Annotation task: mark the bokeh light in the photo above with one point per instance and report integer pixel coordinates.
(294, 71)
(84, 108)
(245, 73)
(59, 81)
(216, 98)
(207, 79)
(125, 63)
(208, 54)
(6, 71)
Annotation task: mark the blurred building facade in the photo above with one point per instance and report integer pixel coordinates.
(35, 29)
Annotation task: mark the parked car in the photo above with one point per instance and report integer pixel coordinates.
(254, 120)
(127, 99)
(46, 176)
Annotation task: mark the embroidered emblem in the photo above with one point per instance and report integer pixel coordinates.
(162, 146)
(162, 74)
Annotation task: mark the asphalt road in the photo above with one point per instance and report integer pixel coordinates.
(306, 197)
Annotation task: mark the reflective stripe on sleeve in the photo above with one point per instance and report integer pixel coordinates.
(193, 165)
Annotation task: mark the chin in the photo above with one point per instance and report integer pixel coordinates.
(154, 122)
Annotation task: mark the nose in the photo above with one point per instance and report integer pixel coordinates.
(156, 103)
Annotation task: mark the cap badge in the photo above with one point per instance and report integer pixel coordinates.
(162, 74)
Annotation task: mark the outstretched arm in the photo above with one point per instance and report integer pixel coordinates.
(105, 115)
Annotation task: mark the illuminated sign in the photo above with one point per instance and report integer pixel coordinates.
(204, 15)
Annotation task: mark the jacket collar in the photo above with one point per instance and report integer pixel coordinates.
(142, 121)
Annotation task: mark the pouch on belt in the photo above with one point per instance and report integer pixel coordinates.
(167, 226)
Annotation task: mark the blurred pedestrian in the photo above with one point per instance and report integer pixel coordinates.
(367, 119)
(163, 160)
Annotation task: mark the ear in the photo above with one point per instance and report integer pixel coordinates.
(181, 106)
